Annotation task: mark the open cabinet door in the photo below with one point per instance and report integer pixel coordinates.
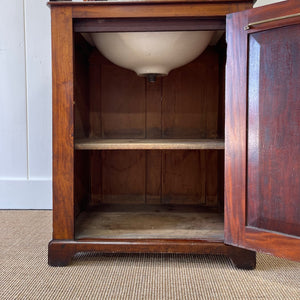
(262, 144)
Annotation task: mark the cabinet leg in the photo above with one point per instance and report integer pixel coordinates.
(242, 258)
(60, 254)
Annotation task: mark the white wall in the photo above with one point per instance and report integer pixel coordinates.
(25, 102)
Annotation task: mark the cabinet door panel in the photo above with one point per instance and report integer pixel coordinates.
(274, 130)
(262, 188)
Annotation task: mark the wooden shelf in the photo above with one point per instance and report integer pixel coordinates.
(149, 221)
(149, 144)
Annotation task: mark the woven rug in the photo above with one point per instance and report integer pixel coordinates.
(24, 273)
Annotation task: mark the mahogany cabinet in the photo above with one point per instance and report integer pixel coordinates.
(205, 160)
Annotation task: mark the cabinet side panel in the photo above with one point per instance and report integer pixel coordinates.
(63, 128)
(95, 94)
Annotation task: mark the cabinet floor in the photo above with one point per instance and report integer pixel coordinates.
(140, 222)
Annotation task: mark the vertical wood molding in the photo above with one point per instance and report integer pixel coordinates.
(235, 129)
(63, 127)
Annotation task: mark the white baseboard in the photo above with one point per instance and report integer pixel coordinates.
(26, 194)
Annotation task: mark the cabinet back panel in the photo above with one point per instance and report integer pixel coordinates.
(184, 104)
(123, 177)
(190, 99)
(156, 177)
(123, 103)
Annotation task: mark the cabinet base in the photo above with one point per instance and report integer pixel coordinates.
(61, 252)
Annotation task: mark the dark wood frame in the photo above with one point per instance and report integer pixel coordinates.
(65, 17)
(237, 232)
(147, 24)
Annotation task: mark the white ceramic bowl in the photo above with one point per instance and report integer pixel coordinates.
(152, 52)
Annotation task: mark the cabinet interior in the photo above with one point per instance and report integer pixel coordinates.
(149, 157)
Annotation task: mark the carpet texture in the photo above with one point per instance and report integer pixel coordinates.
(24, 273)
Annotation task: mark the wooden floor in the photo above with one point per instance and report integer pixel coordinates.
(140, 222)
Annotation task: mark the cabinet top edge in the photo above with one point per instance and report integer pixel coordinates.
(141, 2)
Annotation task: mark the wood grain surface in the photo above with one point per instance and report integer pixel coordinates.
(138, 222)
(63, 124)
(178, 112)
(262, 129)
(187, 105)
(148, 144)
